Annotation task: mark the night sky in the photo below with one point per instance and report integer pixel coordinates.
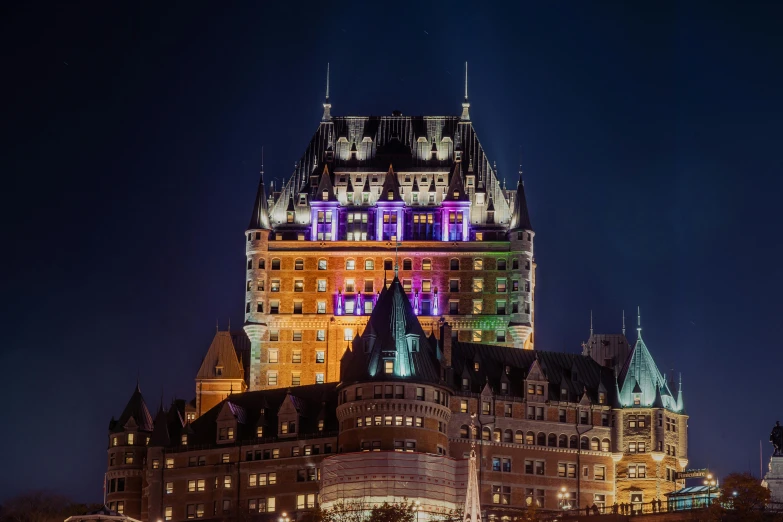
(649, 134)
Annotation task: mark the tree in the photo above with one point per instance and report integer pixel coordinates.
(42, 506)
(745, 492)
(400, 512)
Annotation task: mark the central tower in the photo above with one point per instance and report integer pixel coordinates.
(371, 195)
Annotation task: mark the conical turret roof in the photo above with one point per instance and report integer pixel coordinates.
(520, 218)
(137, 410)
(259, 218)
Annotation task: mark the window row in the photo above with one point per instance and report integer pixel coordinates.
(296, 451)
(296, 378)
(389, 420)
(541, 439)
(396, 391)
(388, 264)
(273, 354)
(130, 440)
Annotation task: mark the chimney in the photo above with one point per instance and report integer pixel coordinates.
(445, 339)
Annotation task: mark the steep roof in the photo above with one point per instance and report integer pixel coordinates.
(137, 410)
(576, 373)
(325, 184)
(390, 185)
(259, 218)
(259, 408)
(520, 218)
(221, 353)
(456, 190)
(640, 375)
(393, 333)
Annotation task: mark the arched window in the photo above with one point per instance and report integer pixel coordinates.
(249, 263)
(407, 264)
(496, 435)
(594, 444)
(552, 440)
(508, 436)
(275, 264)
(426, 264)
(519, 437)
(515, 264)
(369, 264)
(486, 433)
(541, 439)
(454, 264)
(350, 264)
(261, 264)
(585, 443)
(463, 432)
(562, 442)
(530, 438)
(605, 445)
(572, 442)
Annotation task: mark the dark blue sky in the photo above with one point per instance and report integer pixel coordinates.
(650, 135)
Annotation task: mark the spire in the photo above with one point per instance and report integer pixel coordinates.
(639, 321)
(466, 104)
(591, 323)
(472, 510)
(390, 187)
(327, 104)
(259, 219)
(520, 218)
(623, 321)
(456, 190)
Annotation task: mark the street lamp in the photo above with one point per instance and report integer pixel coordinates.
(284, 517)
(562, 497)
(710, 483)
(416, 509)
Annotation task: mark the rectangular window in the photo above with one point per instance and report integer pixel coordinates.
(454, 307)
(348, 334)
(322, 285)
(599, 473)
(298, 285)
(296, 355)
(477, 336)
(227, 481)
(388, 367)
(273, 355)
(319, 378)
(320, 357)
(500, 286)
(478, 285)
(296, 378)
(271, 378)
(297, 307)
(169, 463)
(168, 513)
(463, 406)
(453, 285)
(274, 307)
(368, 285)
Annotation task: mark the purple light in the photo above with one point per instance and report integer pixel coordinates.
(339, 303)
(358, 309)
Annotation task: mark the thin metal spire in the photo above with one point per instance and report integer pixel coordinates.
(396, 259)
(591, 323)
(327, 116)
(465, 103)
(623, 321)
(262, 159)
(466, 81)
(639, 319)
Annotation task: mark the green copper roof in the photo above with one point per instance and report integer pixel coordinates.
(640, 378)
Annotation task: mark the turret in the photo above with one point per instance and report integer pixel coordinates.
(128, 438)
(520, 237)
(221, 373)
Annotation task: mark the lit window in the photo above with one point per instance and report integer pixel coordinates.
(369, 264)
(296, 355)
(169, 463)
(426, 264)
(322, 264)
(299, 264)
(271, 378)
(478, 307)
(478, 264)
(322, 285)
(168, 513)
(476, 336)
(350, 264)
(128, 458)
(426, 285)
(478, 285)
(348, 334)
(184, 440)
(273, 356)
(388, 366)
(319, 379)
(296, 378)
(320, 335)
(130, 439)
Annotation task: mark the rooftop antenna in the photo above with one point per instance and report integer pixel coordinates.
(623, 321)
(262, 159)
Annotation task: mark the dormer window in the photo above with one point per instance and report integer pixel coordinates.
(414, 345)
(456, 194)
(226, 434)
(479, 199)
(476, 366)
(321, 425)
(504, 387)
(130, 439)
(388, 366)
(637, 399)
(508, 370)
(325, 195)
(390, 195)
(490, 217)
(289, 217)
(465, 383)
(184, 439)
(601, 398)
(218, 371)
(260, 431)
(302, 199)
(563, 394)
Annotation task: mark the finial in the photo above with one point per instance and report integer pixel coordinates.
(217, 326)
(327, 116)
(639, 319)
(138, 374)
(262, 159)
(623, 321)
(591, 323)
(465, 104)
(229, 325)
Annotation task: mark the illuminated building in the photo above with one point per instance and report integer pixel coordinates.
(389, 327)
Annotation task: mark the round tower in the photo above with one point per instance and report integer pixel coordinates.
(127, 451)
(521, 323)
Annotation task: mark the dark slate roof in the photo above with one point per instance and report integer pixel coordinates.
(456, 186)
(136, 409)
(572, 371)
(327, 185)
(259, 219)
(390, 327)
(263, 406)
(390, 184)
(520, 218)
(607, 349)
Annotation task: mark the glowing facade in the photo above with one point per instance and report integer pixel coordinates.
(369, 193)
